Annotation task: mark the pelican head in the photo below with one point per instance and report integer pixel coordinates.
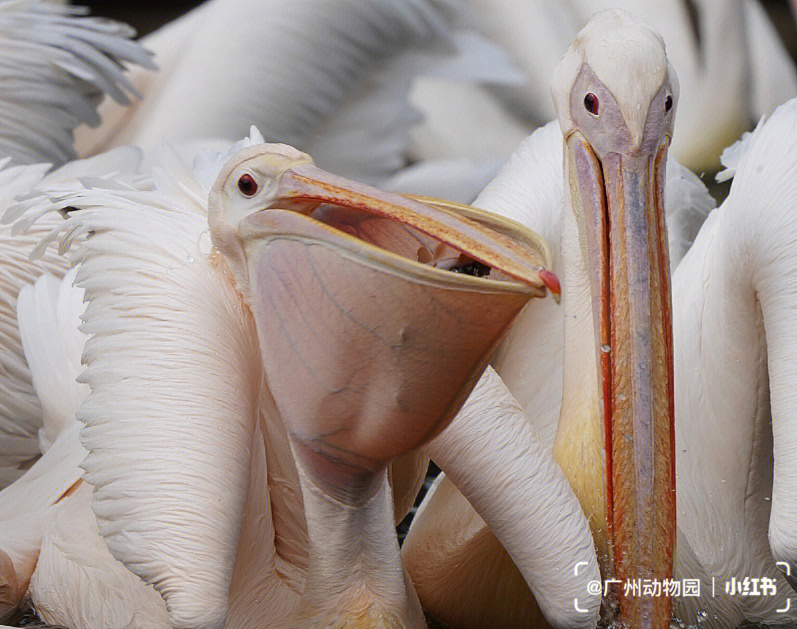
(616, 95)
(369, 342)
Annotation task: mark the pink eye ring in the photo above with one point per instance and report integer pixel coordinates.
(247, 185)
(591, 103)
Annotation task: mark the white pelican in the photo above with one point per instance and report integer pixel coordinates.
(731, 64)
(735, 367)
(616, 390)
(58, 65)
(175, 520)
(54, 68)
(732, 310)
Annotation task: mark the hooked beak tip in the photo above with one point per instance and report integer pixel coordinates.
(552, 282)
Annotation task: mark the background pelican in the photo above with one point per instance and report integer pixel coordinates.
(332, 81)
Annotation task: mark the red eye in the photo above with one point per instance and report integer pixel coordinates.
(247, 185)
(668, 103)
(591, 103)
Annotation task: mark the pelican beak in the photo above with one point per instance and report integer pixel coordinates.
(490, 240)
(623, 211)
(370, 342)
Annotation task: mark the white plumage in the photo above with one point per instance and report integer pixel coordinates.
(48, 320)
(734, 299)
(26, 504)
(20, 409)
(330, 79)
(49, 530)
(55, 67)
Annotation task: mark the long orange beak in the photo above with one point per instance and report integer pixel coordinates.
(623, 207)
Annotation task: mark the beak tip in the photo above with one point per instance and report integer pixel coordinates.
(552, 282)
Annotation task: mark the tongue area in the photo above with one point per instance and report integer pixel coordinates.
(400, 239)
(493, 241)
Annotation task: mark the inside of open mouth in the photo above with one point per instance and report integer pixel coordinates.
(402, 240)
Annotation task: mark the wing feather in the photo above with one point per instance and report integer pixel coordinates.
(54, 69)
(174, 369)
(20, 410)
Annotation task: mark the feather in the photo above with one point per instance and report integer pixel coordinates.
(49, 313)
(20, 409)
(54, 69)
(174, 368)
(49, 316)
(687, 203)
(102, 592)
(732, 155)
(24, 508)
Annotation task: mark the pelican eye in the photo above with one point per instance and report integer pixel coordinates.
(247, 185)
(591, 103)
(668, 103)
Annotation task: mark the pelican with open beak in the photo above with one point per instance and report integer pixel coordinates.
(369, 343)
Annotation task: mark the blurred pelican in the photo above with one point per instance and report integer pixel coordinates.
(331, 80)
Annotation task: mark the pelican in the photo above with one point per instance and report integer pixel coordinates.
(54, 67)
(617, 353)
(733, 384)
(70, 62)
(732, 67)
(727, 377)
(222, 516)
